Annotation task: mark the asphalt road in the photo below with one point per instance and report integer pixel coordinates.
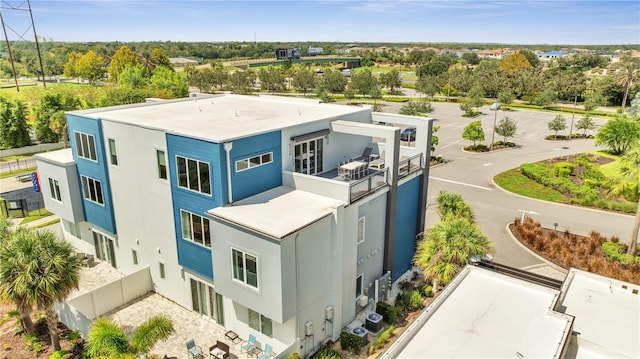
(470, 175)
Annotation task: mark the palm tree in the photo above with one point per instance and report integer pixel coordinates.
(108, 340)
(453, 205)
(37, 268)
(629, 178)
(447, 247)
(628, 74)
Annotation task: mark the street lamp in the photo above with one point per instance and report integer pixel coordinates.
(495, 106)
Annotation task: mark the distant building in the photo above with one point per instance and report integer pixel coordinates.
(551, 55)
(182, 61)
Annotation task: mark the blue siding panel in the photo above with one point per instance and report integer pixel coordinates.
(406, 226)
(190, 255)
(100, 216)
(258, 179)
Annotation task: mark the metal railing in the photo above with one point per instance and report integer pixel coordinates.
(409, 165)
(368, 184)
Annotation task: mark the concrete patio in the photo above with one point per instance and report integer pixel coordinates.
(187, 324)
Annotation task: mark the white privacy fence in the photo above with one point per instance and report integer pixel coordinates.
(78, 313)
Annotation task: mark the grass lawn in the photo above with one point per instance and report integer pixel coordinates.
(611, 169)
(514, 181)
(17, 157)
(31, 216)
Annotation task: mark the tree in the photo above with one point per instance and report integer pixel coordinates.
(473, 132)
(37, 268)
(475, 96)
(618, 134)
(123, 58)
(506, 128)
(626, 77)
(71, 66)
(559, 123)
(363, 82)
(271, 79)
(544, 98)
(634, 109)
(629, 178)
(14, 130)
(107, 339)
(506, 97)
(391, 80)
(159, 58)
(334, 81)
(531, 57)
(90, 66)
(134, 76)
(586, 123)
(447, 248)
(515, 62)
(49, 105)
(168, 84)
(304, 80)
(471, 58)
(452, 205)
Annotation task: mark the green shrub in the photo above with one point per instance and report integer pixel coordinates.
(58, 354)
(74, 335)
(382, 339)
(563, 169)
(389, 312)
(294, 356)
(617, 252)
(328, 353)
(416, 302)
(351, 342)
(33, 344)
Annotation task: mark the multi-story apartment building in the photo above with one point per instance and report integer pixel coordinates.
(272, 216)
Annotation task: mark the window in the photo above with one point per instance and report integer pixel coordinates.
(359, 290)
(195, 228)
(92, 190)
(162, 164)
(134, 254)
(163, 275)
(85, 146)
(245, 267)
(360, 230)
(193, 175)
(260, 323)
(254, 161)
(54, 186)
(112, 152)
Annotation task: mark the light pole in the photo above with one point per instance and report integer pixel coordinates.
(575, 101)
(496, 106)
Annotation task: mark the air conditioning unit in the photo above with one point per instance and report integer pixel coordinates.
(363, 301)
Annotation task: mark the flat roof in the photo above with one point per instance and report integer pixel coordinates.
(607, 315)
(63, 157)
(224, 117)
(484, 314)
(277, 212)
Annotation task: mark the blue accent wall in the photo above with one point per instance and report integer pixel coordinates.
(100, 216)
(193, 256)
(406, 226)
(261, 178)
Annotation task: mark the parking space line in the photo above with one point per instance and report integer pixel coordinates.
(461, 183)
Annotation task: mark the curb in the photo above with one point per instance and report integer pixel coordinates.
(544, 260)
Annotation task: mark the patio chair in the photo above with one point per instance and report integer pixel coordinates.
(249, 344)
(194, 350)
(366, 154)
(379, 162)
(267, 353)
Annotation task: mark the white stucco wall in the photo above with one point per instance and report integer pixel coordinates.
(142, 208)
(70, 206)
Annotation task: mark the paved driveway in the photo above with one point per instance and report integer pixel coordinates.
(471, 175)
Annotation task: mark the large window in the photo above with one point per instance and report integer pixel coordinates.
(245, 267)
(92, 190)
(54, 186)
(162, 164)
(85, 146)
(193, 175)
(260, 323)
(195, 228)
(113, 153)
(254, 161)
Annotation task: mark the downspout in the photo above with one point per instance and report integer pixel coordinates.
(227, 148)
(295, 261)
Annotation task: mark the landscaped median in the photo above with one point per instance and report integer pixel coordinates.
(585, 180)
